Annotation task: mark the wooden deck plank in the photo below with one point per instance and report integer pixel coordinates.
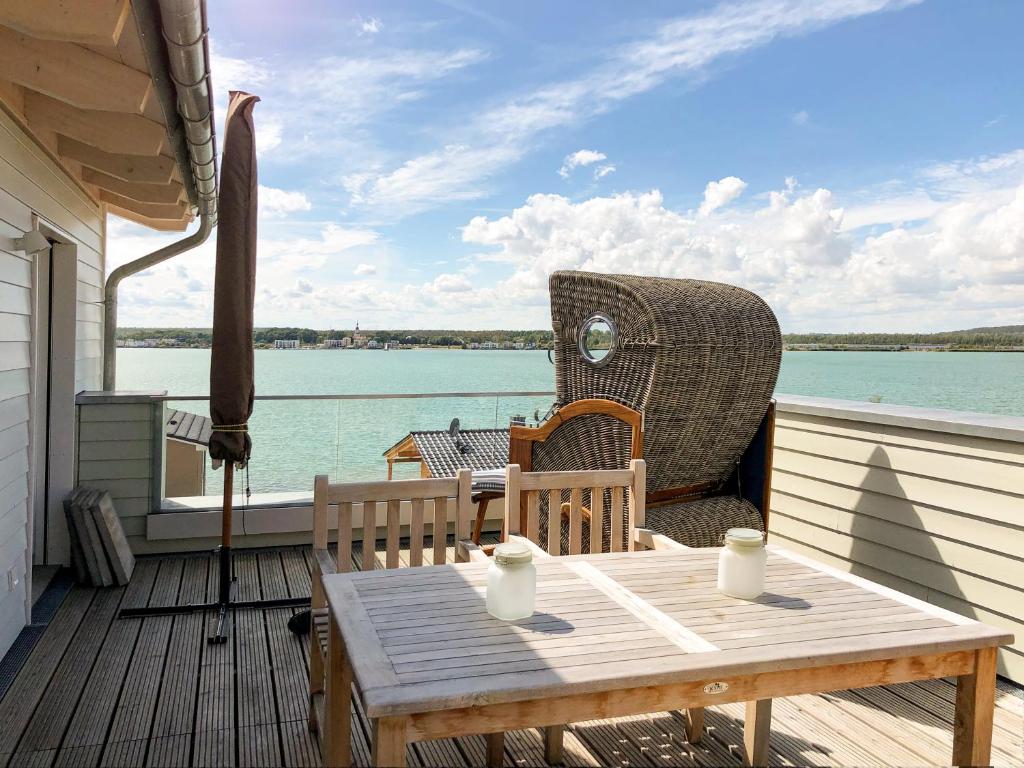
(95, 709)
(33, 679)
(56, 708)
(174, 714)
(139, 697)
(214, 749)
(170, 751)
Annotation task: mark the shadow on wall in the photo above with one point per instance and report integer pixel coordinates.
(883, 539)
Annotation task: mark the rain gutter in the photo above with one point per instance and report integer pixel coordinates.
(173, 34)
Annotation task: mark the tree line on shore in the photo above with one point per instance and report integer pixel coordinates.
(997, 337)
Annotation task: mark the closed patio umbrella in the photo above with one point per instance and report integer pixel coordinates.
(232, 388)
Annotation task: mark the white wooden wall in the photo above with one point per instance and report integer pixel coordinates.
(933, 507)
(120, 450)
(30, 183)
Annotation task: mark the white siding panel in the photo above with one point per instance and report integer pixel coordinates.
(32, 184)
(14, 355)
(13, 410)
(15, 299)
(15, 327)
(935, 514)
(15, 269)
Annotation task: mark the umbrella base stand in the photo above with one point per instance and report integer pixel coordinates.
(225, 604)
(223, 607)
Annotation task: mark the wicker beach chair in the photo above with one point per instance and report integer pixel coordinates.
(699, 360)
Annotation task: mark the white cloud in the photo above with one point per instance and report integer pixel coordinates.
(364, 269)
(274, 202)
(370, 26)
(960, 265)
(601, 171)
(451, 283)
(720, 193)
(578, 159)
(801, 117)
(682, 48)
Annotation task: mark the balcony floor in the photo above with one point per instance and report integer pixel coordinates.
(100, 691)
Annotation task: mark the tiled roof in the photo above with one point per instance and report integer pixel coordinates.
(480, 449)
(189, 427)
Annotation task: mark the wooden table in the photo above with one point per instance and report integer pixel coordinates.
(631, 633)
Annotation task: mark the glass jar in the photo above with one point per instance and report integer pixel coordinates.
(511, 582)
(741, 563)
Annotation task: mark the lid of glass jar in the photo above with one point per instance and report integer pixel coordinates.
(512, 553)
(744, 537)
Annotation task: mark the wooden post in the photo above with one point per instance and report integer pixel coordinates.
(495, 750)
(513, 523)
(694, 724)
(757, 728)
(553, 739)
(463, 508)
(637, 500)
(389, 742)
(336, 731)
(224, 594)
(975, 708)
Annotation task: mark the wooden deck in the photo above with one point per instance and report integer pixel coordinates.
(98, 691)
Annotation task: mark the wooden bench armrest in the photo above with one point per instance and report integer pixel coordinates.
(537, 551)
(325, 561)
(648, 538)
(474, 553)
(565, 509)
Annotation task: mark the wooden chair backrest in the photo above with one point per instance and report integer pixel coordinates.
(522, 439)
(391, 493)
(528, 487)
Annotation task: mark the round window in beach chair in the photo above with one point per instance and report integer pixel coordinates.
(597, 339)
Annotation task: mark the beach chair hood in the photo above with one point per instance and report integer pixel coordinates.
(699, 359)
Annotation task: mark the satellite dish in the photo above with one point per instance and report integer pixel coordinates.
(453, 433)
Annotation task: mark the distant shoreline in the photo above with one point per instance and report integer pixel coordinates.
(785, 348)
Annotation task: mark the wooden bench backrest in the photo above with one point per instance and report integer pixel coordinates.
(391, 494)
(528, 487)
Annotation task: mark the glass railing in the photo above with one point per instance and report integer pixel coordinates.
(346, 436)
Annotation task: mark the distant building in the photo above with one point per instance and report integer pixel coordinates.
(286, 344)
(474, 345)
(335, 343)
(520, 345)
(373, 344)
(489, 345)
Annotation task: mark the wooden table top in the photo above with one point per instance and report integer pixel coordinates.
(420, 639)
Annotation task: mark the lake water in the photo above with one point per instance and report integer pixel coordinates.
(294, 440)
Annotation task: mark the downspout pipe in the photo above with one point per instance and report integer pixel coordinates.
(175, 42)
(194, 240)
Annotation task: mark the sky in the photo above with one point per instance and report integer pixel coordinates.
(427, 164)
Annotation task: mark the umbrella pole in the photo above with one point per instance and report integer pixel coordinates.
(224, 595)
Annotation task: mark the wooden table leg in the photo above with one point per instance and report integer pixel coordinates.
(757, 728)
(336, 732)
(553, 744)
(975, 708)
(389, 742)
(495, 749)
(481, 512)
(694, 724)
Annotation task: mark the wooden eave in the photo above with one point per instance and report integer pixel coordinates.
(73, 75)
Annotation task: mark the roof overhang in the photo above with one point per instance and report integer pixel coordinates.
(88, 81)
